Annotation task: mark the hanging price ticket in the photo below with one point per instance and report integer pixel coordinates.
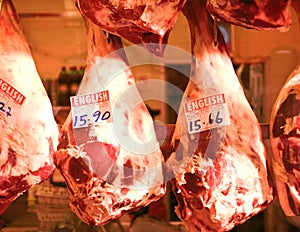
(206, 113)
(90, 109)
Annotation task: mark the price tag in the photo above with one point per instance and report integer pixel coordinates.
(207, 113)
(90, 109)
(10, 97)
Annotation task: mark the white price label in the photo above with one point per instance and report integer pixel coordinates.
(90, 109)
(207, 113)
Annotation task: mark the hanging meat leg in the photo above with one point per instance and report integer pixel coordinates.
(29, 133)
(115, 166)
(219, 165)
(145, 22)
(254, 14)
(284, 137)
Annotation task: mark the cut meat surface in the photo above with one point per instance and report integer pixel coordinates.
(254, 14)
(140, 22)
(29, 133)
(115, 166)
(220, 172)
(285, 137)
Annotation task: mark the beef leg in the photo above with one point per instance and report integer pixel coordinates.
(29, 133)
(115, 166)
(220, 169)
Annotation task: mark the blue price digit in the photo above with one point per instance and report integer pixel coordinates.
(97, 114)
(195, 125)
(75, 121)
(8, 111)
(106, 115)
(210, 119)
(2, 106)
(82, 119)
(218, 118)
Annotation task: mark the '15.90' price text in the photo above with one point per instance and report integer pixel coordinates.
(84, 119)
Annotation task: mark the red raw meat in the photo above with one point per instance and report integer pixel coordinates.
(285, 137)
(254, 14)
(112, 167)
(220, 173)
(296, 7)
(140, 22)
(29, 133)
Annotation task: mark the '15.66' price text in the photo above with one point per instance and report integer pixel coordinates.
(198, 124)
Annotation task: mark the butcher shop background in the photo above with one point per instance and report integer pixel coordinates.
(263, 60)
(56, 34)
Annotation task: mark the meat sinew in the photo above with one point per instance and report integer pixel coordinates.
(285, 137)
(140, 22)
(29, 133)
(115, 166)
(225, 180)
(254, 14)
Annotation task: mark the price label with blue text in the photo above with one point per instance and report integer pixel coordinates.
(206, 113)
(90, 109)
(10, 98)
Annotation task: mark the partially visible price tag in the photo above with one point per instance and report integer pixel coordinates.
(90, 109)
(10, 98)
(207, 113)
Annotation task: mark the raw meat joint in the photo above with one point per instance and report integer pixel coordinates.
(284, 137)
(285, 126)
(226, 182)
(146, 22)
(29, 133)
(112, 165)
(254, 14)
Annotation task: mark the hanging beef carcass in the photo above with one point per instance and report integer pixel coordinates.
(115, 166)
(285, 137)
(219, 163)
(29, 133)
(140, 22)
(254, 14)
